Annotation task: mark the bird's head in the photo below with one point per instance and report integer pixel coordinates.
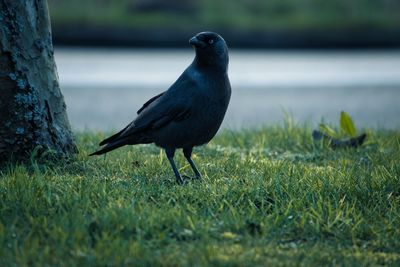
(211, 50)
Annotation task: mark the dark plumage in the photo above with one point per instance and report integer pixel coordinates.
(190, 112)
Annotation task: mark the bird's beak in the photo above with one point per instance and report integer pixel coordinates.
(196, 42)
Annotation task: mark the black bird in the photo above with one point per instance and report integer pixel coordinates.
(190, 112)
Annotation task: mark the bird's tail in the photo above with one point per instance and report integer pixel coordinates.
(108, 148)
(128, 140)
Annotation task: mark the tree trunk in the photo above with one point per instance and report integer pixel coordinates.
(32, 110)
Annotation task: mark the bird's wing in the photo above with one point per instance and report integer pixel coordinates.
(165, 110)
(115, 136)
(149, 102)
(173, 105)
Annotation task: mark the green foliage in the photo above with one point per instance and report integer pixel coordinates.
(242, 14)
(347, 127)
(269, 197)
(327, 130)
(347, 124)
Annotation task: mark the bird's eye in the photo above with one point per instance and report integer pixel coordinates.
(211, 41)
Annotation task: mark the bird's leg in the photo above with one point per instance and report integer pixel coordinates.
(170, 155)
(188, 155)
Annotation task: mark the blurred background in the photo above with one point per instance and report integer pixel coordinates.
(310, 58)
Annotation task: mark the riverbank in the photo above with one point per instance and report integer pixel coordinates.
(245, 23)
(282, 39)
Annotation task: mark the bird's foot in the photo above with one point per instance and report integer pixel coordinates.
(180, 181)
(184, 179)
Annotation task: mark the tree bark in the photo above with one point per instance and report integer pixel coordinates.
(32, 110)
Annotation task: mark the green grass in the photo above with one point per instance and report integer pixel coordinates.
(269, 197)
(247, 15)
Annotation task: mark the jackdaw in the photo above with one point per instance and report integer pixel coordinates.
(190, 112)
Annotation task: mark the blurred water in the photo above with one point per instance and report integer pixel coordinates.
(104, 88)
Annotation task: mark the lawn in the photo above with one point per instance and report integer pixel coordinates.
(269, 197)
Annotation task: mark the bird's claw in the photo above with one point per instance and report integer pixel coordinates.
(180, 181)
(184, 179)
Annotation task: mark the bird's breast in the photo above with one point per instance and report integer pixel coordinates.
(209, 98)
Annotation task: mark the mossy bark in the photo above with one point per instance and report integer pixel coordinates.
(32, 110)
